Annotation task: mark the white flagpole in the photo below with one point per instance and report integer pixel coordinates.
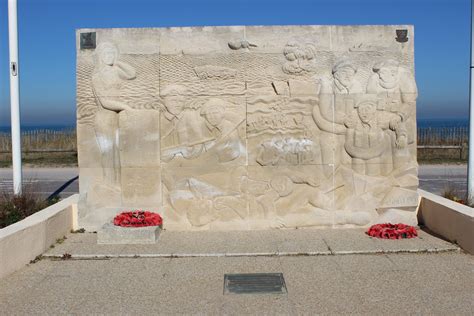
(470, 165)
(14, 95)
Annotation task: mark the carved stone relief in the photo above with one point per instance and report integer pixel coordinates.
(203, 74)
(301, 126)
(280, 131)
(299, 58)
(199, 130)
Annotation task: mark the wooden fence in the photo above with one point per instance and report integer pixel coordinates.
(65, 140)
(443, 136)
(43, 140)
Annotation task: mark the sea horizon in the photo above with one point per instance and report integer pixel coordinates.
(421, 123)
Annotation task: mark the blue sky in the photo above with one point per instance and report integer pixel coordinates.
(47, 42)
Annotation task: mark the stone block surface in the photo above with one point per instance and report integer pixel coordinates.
(111, 234)
(249, 127)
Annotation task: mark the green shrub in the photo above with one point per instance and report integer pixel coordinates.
(14, 208)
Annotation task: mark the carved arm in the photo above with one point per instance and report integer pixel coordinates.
(109, 103)
(326, 125)
(126, 71)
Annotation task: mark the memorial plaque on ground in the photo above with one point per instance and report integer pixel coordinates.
(248, 127)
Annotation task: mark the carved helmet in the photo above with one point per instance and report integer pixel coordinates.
(385, 63)
(344, 63)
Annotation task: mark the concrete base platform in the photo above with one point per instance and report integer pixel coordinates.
(408, 283)
(299, 242)
(116, 235)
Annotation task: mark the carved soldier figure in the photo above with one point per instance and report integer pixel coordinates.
(336, 104)
(338, 94)
(227, 142)
(184, 131)
(107, 82)
(344, 78)
(397, 93)
(365, 140)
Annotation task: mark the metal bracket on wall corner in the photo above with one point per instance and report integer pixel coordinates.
(88, 40)
(402, 36)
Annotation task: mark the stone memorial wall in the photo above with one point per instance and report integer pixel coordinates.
(248, 127)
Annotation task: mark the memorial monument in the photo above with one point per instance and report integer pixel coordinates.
(248, 127)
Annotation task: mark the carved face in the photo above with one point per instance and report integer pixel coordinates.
(366, 112)
(214, 115)
(174, 104)
(388, 74)
(108, 56)
(345, 76)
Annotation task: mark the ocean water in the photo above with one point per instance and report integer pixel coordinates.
(421, 123)
(424, 123)
(7, 129)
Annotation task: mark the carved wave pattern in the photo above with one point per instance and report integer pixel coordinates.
(181, 70)
(270, 115)
(139, 93)
(86, 109)
(146, 82)
(84, 78)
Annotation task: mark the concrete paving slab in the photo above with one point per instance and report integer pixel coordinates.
(353, 263)
(423, 242)
(315, 286)
(256, 304)
(117, 304)
(230, 265)
(311, 265)
(415, 263)
(83, 244)
(302, 241)
(426, 283)
(388, 290)
(256, 243)
(216, 242)
(349, 241)
(34, 273)
(385, 292)
(463, 263)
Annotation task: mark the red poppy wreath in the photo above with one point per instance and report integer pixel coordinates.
(138, 219)
(392, 231)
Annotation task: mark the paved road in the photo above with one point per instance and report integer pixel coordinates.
(44, 180)
(433, 178)
(438, 178)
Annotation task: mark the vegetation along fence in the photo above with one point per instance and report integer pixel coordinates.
(65, 140)
(43, 140)
(443, 136)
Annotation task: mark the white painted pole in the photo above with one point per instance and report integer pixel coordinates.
(470, 165)
(14, 95)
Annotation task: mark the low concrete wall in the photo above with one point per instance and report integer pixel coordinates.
(26, 239)
(447, 218)
(442, 153)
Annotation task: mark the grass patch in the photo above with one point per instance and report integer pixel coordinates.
(439, 161)
(36, 259)
(42, 159)
(61, 240)
(450, 192)
(14, 208)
